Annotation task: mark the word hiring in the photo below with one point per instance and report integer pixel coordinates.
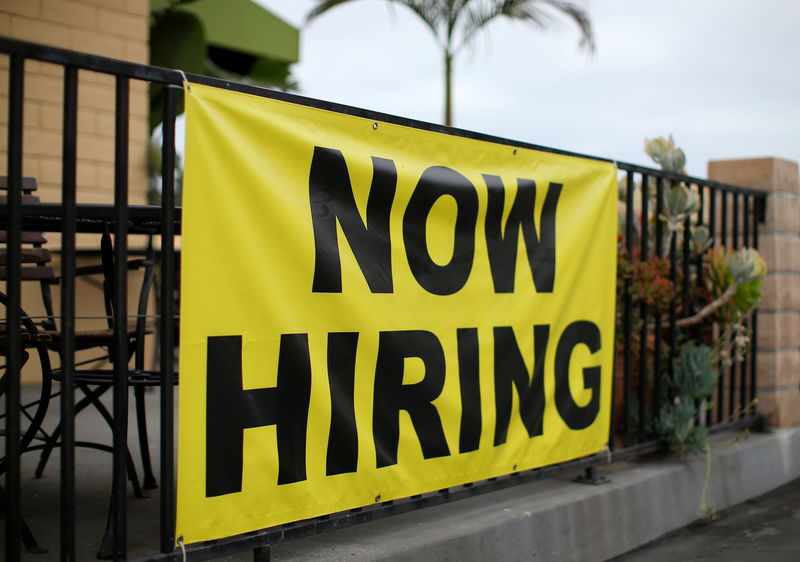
(230, 409)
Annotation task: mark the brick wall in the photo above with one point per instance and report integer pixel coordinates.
(113, 28)
(778, 342)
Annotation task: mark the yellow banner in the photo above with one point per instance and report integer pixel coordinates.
(371, 311)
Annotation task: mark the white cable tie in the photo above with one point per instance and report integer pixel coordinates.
(180, 539)
(185, 82)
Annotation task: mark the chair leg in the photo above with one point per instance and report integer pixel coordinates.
(28, 540)
(90, 396)
(93, 397)
(132, 476)
(144, 446)
(106, 550)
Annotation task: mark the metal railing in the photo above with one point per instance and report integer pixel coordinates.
(732, 215)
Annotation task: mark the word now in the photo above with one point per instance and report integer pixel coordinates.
(332, 201)
(230, 409)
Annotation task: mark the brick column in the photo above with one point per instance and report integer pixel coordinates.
(778, 374)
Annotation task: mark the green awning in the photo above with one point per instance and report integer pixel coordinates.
(242, 25)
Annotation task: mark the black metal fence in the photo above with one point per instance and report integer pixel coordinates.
(731, 214)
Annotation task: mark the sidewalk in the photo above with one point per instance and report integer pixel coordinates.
(551, 519)
(765, 528)
(556, 519)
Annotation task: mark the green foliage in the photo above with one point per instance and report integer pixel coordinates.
(679, 203)
(711, 327)
(690, 386)
(701, 240)
(695, 373)
(666, 154)
(744, 267)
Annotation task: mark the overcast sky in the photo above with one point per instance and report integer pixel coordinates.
(720, 75)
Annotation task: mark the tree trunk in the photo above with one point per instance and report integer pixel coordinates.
(448, 92)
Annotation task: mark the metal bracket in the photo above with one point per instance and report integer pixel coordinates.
(590, 477)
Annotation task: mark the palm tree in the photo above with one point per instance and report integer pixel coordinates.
(456, 23)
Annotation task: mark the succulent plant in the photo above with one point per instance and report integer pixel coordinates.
(666, 154)
(679, 203)
(701, 240)
(746, 265)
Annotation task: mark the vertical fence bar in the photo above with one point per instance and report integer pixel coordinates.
(746, 213)
(735, 245)
(745, 360)
(673, 275)
(735, 220)
(758, 209)
(659, 318)
(68, 174)
(712, 227)
(701, 212)
(686, 266)
(120, 295)
(628, 312)
(13, 315)
(712, 214)
(723, 240)
(167, 515)
(723, 234)
(705, 415)
(701, 221)
(643, 354)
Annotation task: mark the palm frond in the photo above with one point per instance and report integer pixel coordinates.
(537, 12)
(322, 7)
(429, 11)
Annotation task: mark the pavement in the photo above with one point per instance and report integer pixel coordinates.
(556, 519)
(764, 528)
(646, 500)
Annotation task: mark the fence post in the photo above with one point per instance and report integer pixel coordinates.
(778, 338)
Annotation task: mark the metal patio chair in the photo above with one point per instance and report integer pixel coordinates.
(92, 376)
(34, 340)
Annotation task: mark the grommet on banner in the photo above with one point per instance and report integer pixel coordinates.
(185, 82)
(180, 539)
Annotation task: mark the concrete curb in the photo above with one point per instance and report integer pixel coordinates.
(555, 519)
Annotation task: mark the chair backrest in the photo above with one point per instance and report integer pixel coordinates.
(35, 256)
(35, 266)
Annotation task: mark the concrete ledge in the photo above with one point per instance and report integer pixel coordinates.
(557, 519)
